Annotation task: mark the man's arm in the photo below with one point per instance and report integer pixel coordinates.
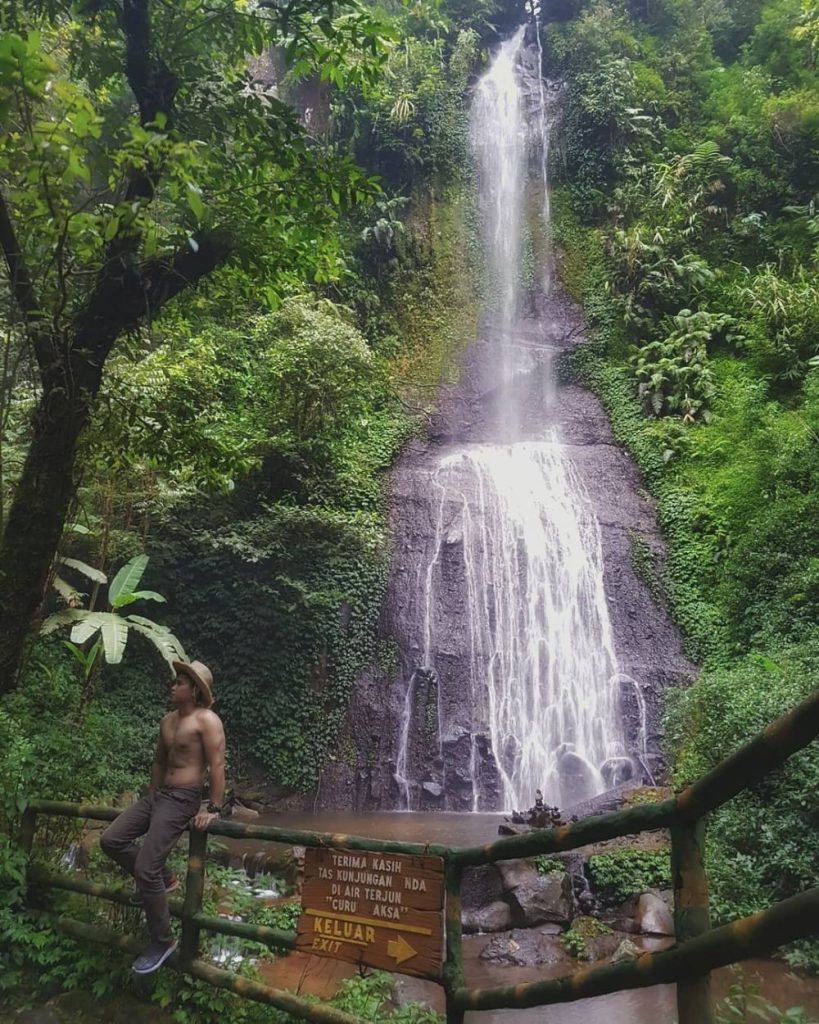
(213, 741)
(159, 767)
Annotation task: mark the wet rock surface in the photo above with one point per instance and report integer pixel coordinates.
(480, 886)
(649, 913)
(515, 873)
(544, 899)
(626, 950)
(447, 757)
(495, 917)
(525, 948)
(514, 894)
(652, 916)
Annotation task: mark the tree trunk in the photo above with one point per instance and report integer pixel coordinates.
(127, 292)
(121, 300)
(41, 502)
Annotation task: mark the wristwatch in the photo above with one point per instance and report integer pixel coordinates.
(213, 808)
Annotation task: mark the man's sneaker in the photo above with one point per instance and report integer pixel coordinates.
(153, 958)
(135, 899)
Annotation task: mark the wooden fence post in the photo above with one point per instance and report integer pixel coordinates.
(27, 830)
(194, 888)
(454, 964)
(694, 1003)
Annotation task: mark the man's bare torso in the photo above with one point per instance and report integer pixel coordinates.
(185, 761)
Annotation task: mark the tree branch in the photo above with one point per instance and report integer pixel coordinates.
(164, 279)
(126, 296)
(152, 82)
(21, 285)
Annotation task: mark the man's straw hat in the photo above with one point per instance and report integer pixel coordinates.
(199, 674)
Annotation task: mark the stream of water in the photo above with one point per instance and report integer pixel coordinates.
(543, 680)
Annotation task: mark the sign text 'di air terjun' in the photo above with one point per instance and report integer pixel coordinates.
(382, 910)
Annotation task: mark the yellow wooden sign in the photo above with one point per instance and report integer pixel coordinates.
(374, 909)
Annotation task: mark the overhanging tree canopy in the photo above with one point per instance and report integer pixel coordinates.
(138, 157)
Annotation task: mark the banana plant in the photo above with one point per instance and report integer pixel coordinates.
(112, 627)
(87, 659)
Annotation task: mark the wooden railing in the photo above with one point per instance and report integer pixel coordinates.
(698, 949)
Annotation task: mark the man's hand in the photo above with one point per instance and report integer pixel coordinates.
(203, 819)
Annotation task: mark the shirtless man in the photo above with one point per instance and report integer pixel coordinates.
(191, 739)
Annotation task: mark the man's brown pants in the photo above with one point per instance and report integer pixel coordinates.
(161, 816)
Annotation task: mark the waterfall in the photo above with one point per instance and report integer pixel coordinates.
(498, 141)
(542, 661)
(516, 557)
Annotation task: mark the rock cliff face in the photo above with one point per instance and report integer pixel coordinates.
(445, 757)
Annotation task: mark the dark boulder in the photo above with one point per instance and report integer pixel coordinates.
(547, 898)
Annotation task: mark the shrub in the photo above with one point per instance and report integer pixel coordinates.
(758, 851)
(548, 865)
(628, 872)
(783, 322)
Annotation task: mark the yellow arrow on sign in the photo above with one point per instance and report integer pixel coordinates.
(400, 950)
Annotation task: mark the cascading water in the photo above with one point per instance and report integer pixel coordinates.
(541, 651)
(501, 158)
(517, 548)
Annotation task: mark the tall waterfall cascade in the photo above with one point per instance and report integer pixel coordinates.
(517, 547)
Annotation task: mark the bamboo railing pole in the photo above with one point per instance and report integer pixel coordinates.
(194, 888)
(244, 987)
(691, 919)
(454, 963)
(38, 875)
(644, 818)
(283, 1000)
(64, 809)
(27, 830)
(263, 833)
(273, 937)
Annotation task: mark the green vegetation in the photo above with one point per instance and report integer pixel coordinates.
(575, 940)
(130, 131)
(111, 629)
(37, 961)
(628, 872)
(644, 564)
(689, 226)
(549, 866)
(227, 442)
(240, 437)
(226, 306)
(744, 1002)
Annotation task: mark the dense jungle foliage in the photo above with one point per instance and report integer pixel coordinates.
(307, 169)
(689, 224)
